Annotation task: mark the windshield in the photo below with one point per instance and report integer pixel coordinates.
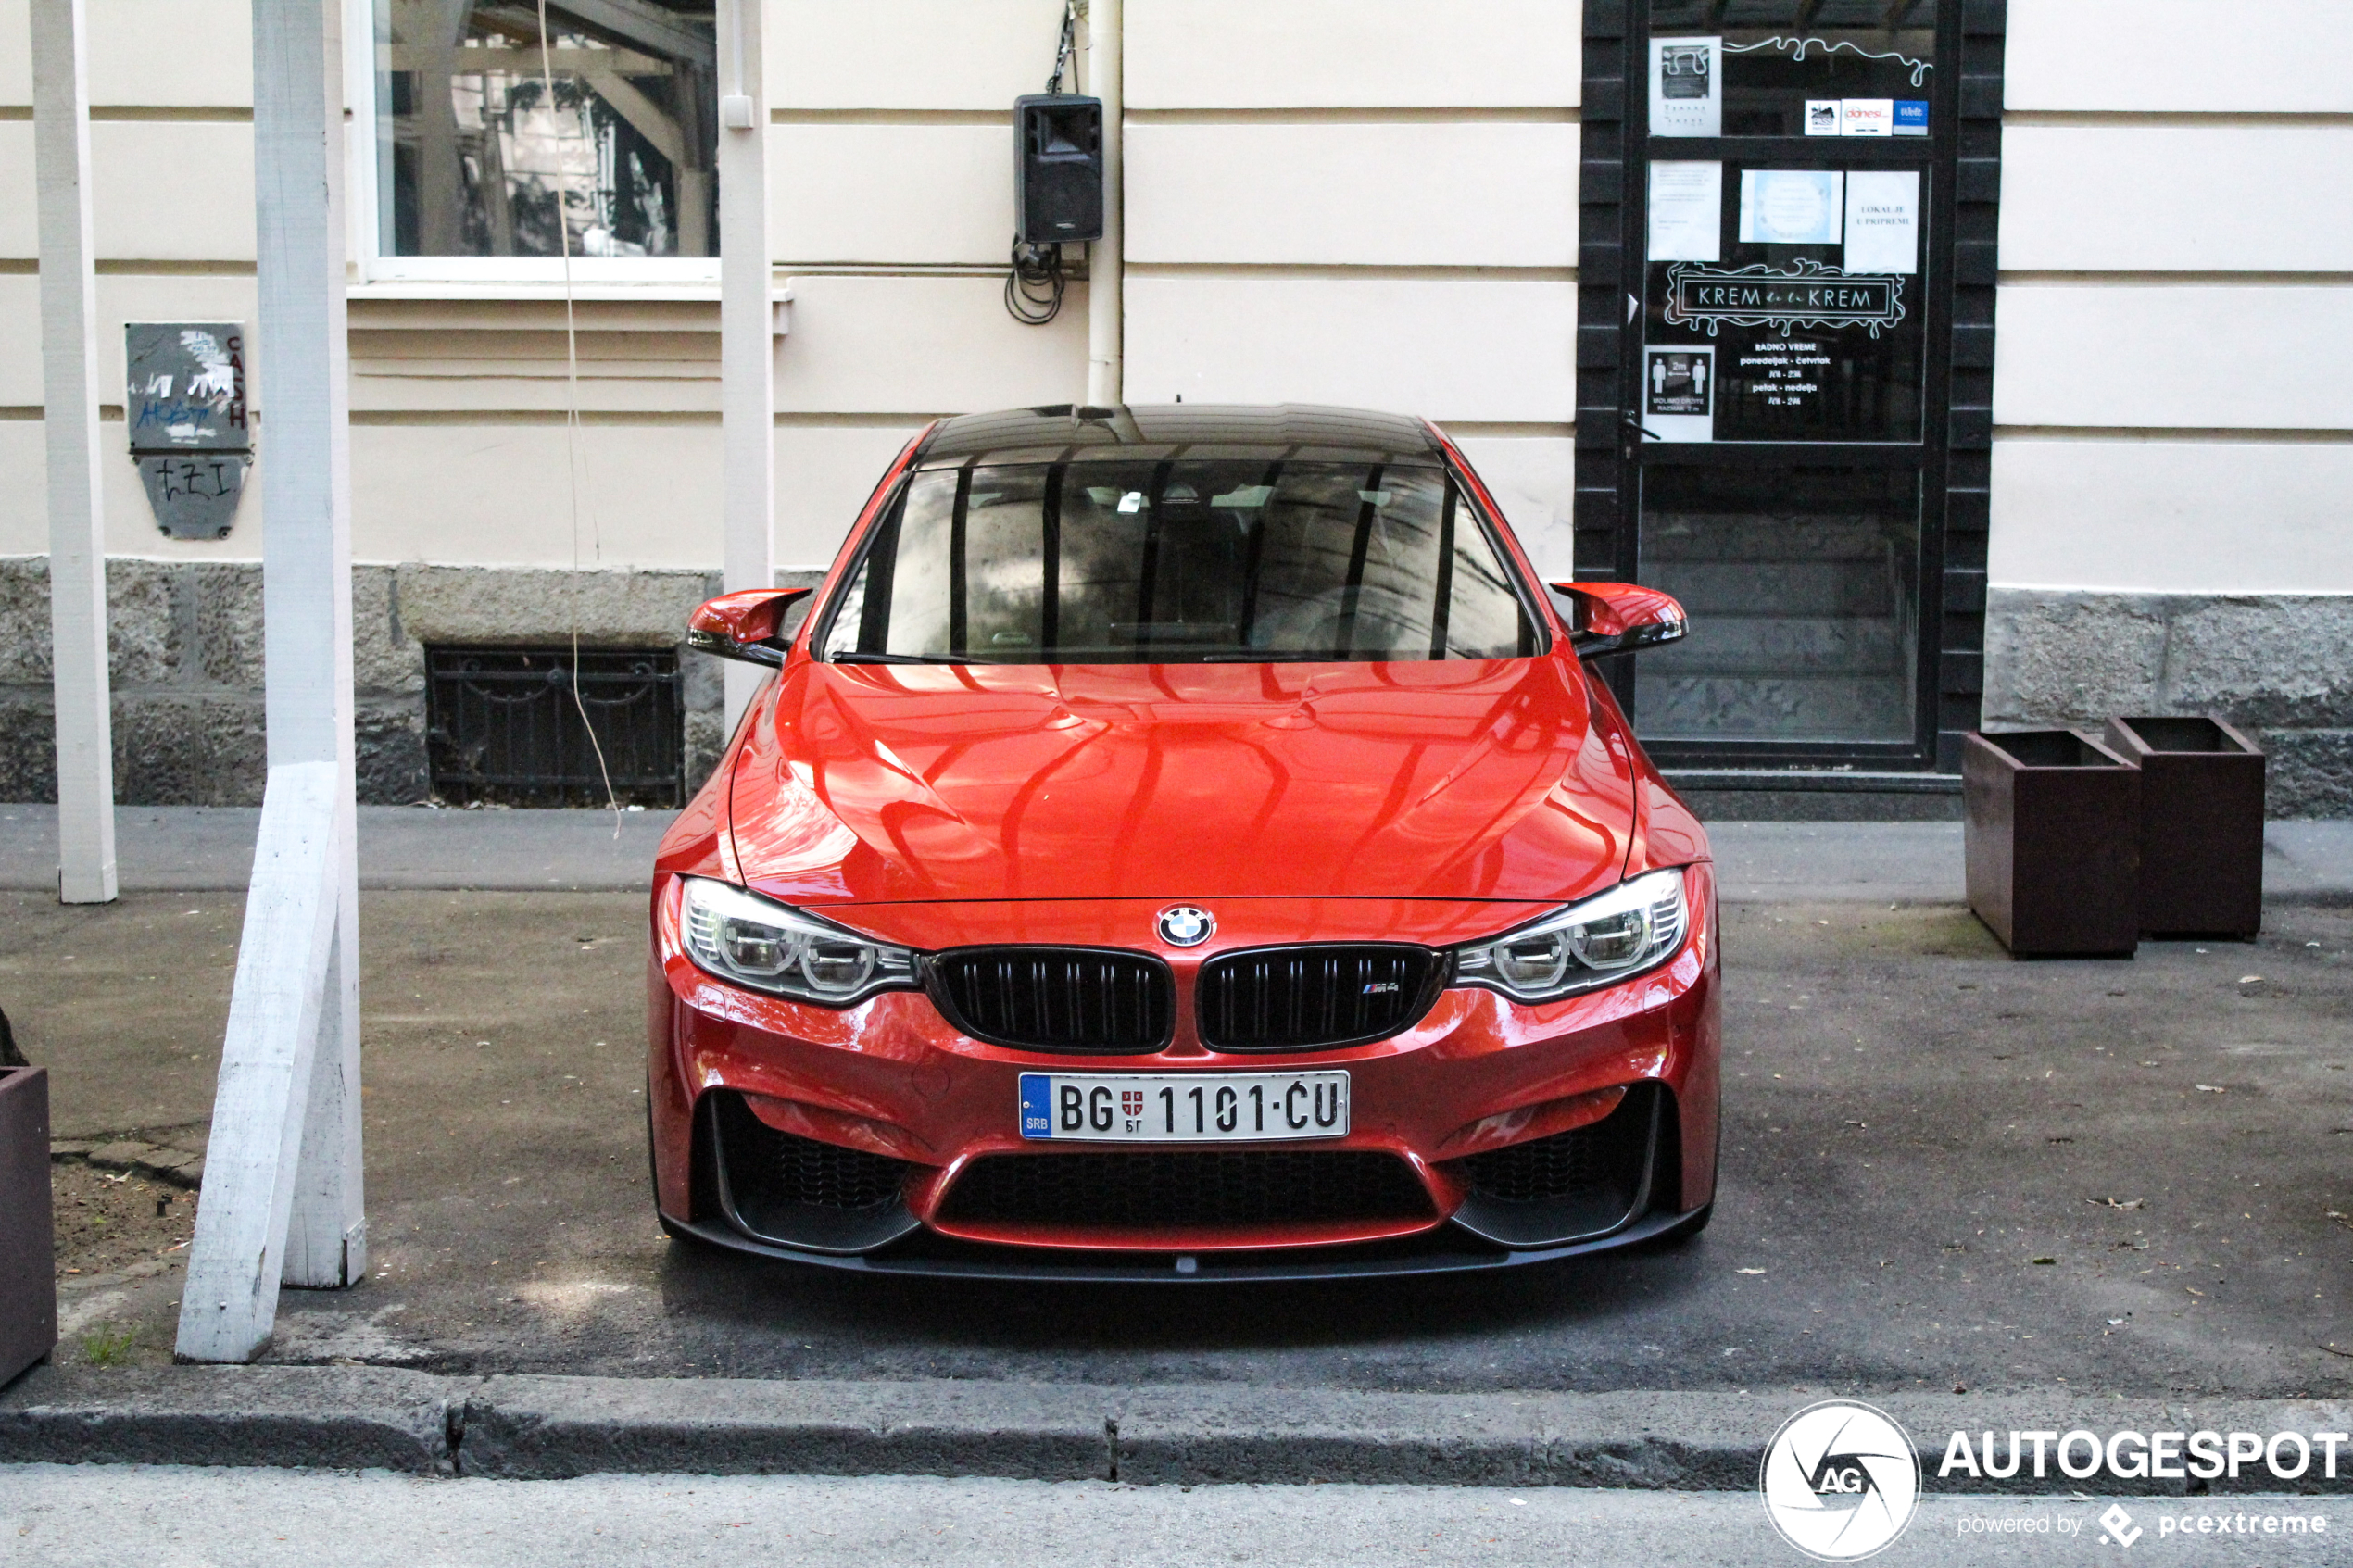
(1175, 561)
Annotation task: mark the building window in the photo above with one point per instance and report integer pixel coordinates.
(503, 727)
(476, 157)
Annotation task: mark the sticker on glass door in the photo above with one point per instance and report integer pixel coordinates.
(1679, 394)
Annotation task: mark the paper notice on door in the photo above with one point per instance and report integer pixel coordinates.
(1687, 212)
(1884, 221)
(1791, 207)
(1679, 394)
(1686, 86)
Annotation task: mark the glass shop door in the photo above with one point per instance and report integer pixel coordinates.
(1783, 420)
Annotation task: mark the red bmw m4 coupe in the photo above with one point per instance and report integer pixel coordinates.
(1183, 843)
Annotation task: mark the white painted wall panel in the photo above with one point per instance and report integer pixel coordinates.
(131, 527)
(1534, 480)
(1351, 53)
(2132, 198)
(162, 191)
(1482, 351)
(2202, 517)
(924, 345)
(823, 475)
(1416, 194)
(494, 494)
(924, 194)
(176, 53)
(910, 54)
(16, 61)
(21, 340)
(2280, 56)
(478, 494)
(2180, 356)
(20, 220)
(147, 53)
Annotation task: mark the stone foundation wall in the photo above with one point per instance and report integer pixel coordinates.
(2278, 666)
(186, 651)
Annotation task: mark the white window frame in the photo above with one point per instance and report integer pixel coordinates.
(375, 275)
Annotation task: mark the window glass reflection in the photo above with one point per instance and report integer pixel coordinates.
(477, 157)
(1802, 586)
(1178, 562)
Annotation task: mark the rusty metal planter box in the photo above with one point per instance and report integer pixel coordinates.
(2053, 838)
(2201, 825)
(28, 1241)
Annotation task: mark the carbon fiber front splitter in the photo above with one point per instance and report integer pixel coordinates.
(1454, 1253)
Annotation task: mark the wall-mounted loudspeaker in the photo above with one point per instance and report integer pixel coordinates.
(1058, 169)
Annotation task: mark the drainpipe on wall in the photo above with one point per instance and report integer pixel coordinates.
(746, 341)
(1106, 271)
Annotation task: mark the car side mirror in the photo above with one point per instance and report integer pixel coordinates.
(748, 625)
(1620, 617)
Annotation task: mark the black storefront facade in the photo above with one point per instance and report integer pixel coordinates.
(1784, 371)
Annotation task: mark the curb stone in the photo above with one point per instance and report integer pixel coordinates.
(524, 1427)
(331, 1418)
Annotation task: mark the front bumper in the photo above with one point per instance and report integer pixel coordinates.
(1620, 1084)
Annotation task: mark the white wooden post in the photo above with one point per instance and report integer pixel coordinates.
(254, 1167)
(746, 324)
(77, 512)
(1107, 269)
(283, 1198)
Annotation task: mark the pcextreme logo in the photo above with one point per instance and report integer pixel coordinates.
(1840, 1481)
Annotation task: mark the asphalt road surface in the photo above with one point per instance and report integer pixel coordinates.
(1942, 1169)
(106, 1516)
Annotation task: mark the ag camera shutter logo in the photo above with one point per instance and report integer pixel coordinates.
(1840, 1481)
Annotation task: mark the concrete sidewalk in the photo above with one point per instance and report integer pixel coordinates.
(198, 848)
(205, 848)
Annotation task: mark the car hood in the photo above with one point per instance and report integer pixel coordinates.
(1457, 779)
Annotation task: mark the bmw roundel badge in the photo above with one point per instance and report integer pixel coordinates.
(1184, 926)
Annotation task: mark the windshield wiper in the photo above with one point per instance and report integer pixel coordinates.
(893, 659)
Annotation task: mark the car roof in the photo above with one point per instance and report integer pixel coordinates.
(1059, 432)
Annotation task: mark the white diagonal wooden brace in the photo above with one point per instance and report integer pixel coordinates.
(252, 1159)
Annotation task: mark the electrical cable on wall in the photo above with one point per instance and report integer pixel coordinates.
(571, 440)
(1034, 282)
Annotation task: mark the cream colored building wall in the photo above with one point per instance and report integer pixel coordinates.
(1321, 207)
(2172, 413)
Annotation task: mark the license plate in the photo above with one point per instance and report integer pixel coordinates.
(1183, 1106)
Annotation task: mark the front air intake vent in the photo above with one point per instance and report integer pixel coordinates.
(1307, 998)
(1180, 1190)
(1082, 1001)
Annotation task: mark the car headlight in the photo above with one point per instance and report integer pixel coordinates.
(752, 941)
(1598, 942)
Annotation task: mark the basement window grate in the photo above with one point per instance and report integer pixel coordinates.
(502, 727)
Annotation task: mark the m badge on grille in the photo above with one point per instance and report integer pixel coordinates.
(1184, 926)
